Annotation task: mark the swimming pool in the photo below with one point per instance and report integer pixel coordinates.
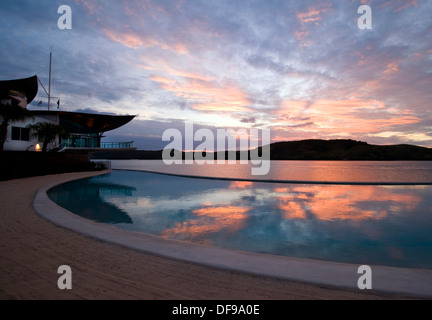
(361, 224)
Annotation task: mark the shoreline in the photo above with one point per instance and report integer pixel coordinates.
(33, 248)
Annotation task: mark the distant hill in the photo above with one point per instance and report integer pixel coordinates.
(346, 150)
(314, 149)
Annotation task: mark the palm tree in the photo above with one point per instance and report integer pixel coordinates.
(11, 113)
(46, 132)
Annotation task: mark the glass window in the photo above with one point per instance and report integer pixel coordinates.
(25, 134)
(16, 133)
(22, 134)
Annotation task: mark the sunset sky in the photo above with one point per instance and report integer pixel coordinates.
(302, 69)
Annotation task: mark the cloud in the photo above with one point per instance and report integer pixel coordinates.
(248, 120)
(313, 14)
(90, 7)
(206, 95)
(129, 39)
(303, 69)
(339, 118)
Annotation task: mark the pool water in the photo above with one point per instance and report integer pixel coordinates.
(362, 224)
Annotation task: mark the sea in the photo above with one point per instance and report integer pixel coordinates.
(362, 172)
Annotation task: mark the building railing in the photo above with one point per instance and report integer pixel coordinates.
(117, 145)
(104, 145)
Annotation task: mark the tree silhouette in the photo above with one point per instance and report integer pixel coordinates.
(46, 132)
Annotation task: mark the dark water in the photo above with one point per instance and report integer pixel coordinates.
(361, 224)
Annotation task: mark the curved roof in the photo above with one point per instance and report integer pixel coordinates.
(27, 86)
(80, 122)
(77, 122)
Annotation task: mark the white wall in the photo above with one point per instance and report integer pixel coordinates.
(16, 145)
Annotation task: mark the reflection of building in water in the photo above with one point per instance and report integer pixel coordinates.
(117, 191)
(86, 199)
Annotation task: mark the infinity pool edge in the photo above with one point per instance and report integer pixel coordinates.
(414, 282)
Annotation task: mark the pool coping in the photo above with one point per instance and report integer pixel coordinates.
(391, 280)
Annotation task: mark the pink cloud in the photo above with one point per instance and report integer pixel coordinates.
(392, 67)
(206, 95)
(312, 15)
(134, 40)
(400, 5)
(329, 117)
(130, 40)
(407, 5)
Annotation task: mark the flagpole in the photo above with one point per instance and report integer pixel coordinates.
(49, 84)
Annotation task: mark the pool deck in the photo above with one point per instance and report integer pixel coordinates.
(139, 266)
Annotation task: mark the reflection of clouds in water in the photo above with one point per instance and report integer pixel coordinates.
(348, 223)
(227, 208)
(210, 220)
(140, 205)
(331, 202)
(240, 184)
(236, 192)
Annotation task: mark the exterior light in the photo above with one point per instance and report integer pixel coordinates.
(38, 147)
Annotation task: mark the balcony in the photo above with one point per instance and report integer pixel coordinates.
(117, 145)
(88, 145)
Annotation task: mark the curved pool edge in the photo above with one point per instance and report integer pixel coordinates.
(391, 280)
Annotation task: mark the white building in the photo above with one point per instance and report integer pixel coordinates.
(85, 130)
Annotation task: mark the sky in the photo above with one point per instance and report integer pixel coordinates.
(301, 69)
